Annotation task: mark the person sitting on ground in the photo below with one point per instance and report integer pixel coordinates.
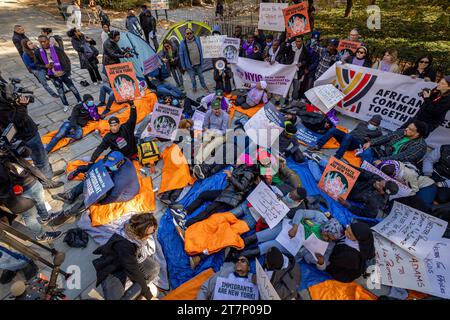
(128, 254)
(120, 138)
(158, 80)
(406, 146)
(288, 143)
(105, 89)
(371, 192)
(422, 69)
(363, 132)
(254, 96)
(237, 272)
(72, 128)
(218, 95)
(223, 77)
(436, 165)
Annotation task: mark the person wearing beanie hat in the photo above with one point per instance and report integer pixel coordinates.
(217, 95)
(360, 57)
(82, 113)
(254, 96)
(288, 143)
(363, 132)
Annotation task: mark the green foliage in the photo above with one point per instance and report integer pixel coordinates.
(120, 4)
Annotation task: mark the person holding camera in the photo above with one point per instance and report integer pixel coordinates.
(111, 50)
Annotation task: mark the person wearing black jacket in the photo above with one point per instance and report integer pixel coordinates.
(18, 36)
(120, 138)
(111, 51)
(72, 128)
(422, 69)
(148, 24)
(297, 54)
(128, 254)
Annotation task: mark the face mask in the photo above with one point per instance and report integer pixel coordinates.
(90, 103)
(371, 127)
(290, 203)
(114, 168)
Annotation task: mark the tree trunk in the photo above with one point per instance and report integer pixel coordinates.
(348, 9)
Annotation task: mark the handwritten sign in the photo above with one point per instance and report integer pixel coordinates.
(123, 81)
(235, 289)
(211, 46)
(198, 117)
(438, 268)
(164, 121)
(403, 191)
(159, 5)
(348, 45)
(296, 20)
(412, 230)
(265, 126)
(151, 64)
(265, 287)
(294, 244)
(338, 179)
(266, 203)
(230, 49)
(314, 244)
(324, 97)
(97, 183)
(271, 16)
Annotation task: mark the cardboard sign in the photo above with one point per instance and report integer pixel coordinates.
(235, 289)
(338, 179)
(151, 64)
(348, 45)
(412, 230)
(266, 203)
(265, 126)
(164, 121)
(211, 46)
(159, 5)
(97, 183)
(324, 97)
(271, 16)
(294, 244)
(198, 117)
(123, 81)
(296, 20)
(230, 49)
(265, 287)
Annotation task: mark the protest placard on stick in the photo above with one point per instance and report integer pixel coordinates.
(271, 16)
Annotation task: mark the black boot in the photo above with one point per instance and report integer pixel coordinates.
(249, 254)
(250, 240)
(7, 276)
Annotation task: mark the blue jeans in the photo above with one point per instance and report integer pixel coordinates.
(65, 131)
(30, 220)
(11, 260)
(196, 71)
(59, 82)
(40, 75)
(266, 239)
(428, 194)
(165, 88)
(347, 141)
(104, 90)
(39, 155)
(368, 155)
(36, 193)
(243, 213)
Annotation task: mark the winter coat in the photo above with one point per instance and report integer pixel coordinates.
(304, 59)
(363, 134)
(88, 60)
(17, 40)
(287, 281)
(238, 185)
(184, 54)
(175, 56)
(112, 53)
(409, 176)
(63, 59)
(433, 111)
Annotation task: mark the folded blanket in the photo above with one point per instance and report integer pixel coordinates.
(335, 290)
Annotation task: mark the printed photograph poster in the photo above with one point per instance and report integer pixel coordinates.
(211, 46)
(151, 64)
(230, 49)
(338, 179)
(164, 121)
(123, 81)
(271, 16)
(296, 20)
(348, 46)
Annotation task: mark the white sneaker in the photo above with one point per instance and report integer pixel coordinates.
(66, 108)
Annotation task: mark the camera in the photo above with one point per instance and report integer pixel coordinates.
(420, 94)
(7, 146)
(128, 50)
(12, 91)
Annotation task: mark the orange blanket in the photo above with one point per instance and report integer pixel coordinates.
(175, 171)
(219, 231)
(189, 289)
(144, 201)
(335, 290)
(350, 157)
(144, 106)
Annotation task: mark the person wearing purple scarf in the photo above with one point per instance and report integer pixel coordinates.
(82, 113)
(248, 45)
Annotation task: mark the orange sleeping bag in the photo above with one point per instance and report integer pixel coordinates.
(144, 201)
(219, 231)
(335, 290)
(189, 289)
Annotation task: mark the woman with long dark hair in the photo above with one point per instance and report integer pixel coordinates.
(360, 58)
(422, 69)
(170, 57)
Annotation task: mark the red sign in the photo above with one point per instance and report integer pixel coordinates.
(338, 179)
(348, 45)
(123, 81)
(296, 20)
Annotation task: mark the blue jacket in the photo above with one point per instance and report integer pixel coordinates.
(184, 54)
(29, 61)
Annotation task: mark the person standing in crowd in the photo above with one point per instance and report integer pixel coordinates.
(422, 69)
(435, 106)
(55, 40)
(360, 58)
(148, 24)
(274, 54)
(354, 35)
(87, 53)
(18, 36)
(191, 58)
(75, 15)
(39, 73)
(260, 38)
(314, 62)
(132, 23)
(267, 46)
(171, 58)
(111, 51)
(327, 56)
(389, 62)
(219, 9)
(247, 46)
(256, 54)
(105, 33)
(58, 67)
(104, 19)
(298, 55)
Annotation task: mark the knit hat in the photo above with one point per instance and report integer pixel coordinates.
(274, 259)
(219, 92)
(87, 97)
(263, 84)
(113, 120)
(333, 228)
(376, 120)
(216, 30)
(315, 35)
(215, 104)
(447, 79)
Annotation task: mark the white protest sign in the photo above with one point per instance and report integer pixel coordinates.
(271, 16)
(230, 49)
(324, 97)
(314, 244)
(265, 126)
(412, 230)
(198, 117)
(264, 200)
(294, 244)
(164, 121)
(233, 288)
(159, 5)
(403, 191)
(438, 268)
(211, 46)
(265, 287)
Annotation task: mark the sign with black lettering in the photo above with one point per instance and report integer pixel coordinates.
(97, 183)
(233, 288)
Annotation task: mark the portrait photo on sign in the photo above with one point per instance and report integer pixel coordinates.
(230, 52)
(165, 125)
(297, 23)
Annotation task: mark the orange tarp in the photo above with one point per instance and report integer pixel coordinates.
(144, 201)
(335, 290)
(219, 231)
(350, 157)
(175, 171)
(189, 289)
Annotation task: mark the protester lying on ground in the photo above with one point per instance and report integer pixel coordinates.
(254, 96)
(435, 106)
(349, 258)
(286, 176)
(12, 262)
(82, 113)
(363, 132)
(120, 138)
(218, 95)
(360, 57)
(158, 80)
(389, 62)
(105, 89)
(371, 192)
(327, 56)
(128, 255)
(436, 165)
(422, 69)
(406, 145)
(316, 122)
(288, 143)
(237, 272)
